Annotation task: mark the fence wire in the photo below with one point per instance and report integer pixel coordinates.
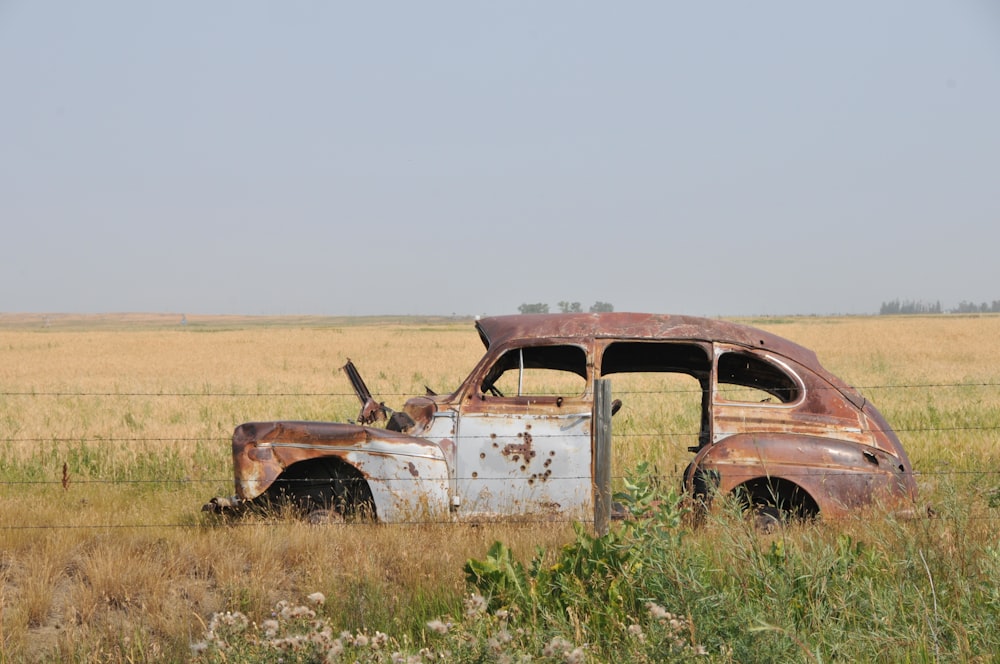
(401, 395)
(72, 480)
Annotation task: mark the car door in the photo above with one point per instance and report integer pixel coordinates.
(524, 435)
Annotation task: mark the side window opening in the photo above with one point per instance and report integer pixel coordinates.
(665, 392)
(551, 371)
(748, 378)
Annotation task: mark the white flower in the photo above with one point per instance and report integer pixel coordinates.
(318, 599)
(301, 612)
(322, 637)
(557, 646)
(658, 611)
(474, 605)
(335, 651)
(438, 626)
(270, 628)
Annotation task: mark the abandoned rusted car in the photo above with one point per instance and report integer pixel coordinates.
(517, 436)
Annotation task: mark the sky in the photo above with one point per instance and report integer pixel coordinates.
(720, 158)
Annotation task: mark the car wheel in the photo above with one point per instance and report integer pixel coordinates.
(768, 518)
(325, 489)
(323, 517)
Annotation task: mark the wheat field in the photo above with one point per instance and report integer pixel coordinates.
(115, 430)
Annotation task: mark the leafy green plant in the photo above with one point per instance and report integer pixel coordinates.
(597, 586)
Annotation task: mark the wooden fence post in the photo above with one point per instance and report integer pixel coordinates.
(602, 456)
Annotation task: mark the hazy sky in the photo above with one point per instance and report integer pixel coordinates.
(709, 158)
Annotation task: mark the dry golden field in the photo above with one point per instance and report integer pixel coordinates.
(114, 430)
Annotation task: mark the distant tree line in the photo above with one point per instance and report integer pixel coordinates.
(565, 307)
(909, 307)
(918, 307)
(973, 308)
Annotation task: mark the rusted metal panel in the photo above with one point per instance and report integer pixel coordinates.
(839, 476)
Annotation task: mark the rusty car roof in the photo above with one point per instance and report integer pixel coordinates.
(497, 330)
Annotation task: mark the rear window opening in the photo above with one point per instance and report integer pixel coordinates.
(747, 378)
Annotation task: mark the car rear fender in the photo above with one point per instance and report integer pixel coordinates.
(838, 475)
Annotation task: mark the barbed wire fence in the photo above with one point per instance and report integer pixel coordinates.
(71, 478)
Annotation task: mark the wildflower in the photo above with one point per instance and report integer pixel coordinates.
(636, 631)
(474, 605)
(379, 640)
(576, 656)
(438, 626)
(700, 650)
(228, 619)
(318, 599)
(557, 646)
(298, 612)
(657, 611)
(361, 640)
(198, 647)
(270, 628)
(323, 638)
(400, 658)
(335, 651)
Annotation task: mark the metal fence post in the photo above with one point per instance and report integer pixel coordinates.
(602, 456)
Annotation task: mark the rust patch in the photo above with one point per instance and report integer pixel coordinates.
(413, 469)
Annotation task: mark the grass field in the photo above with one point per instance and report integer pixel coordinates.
(114, 430)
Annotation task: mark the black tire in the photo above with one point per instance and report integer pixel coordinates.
(768, 518)
(325, 517)
(776, 502)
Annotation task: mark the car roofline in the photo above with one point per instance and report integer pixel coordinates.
(526, 328)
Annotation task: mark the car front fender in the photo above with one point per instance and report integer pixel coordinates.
(408, 476)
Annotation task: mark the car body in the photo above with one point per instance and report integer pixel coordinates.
(497, 447)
